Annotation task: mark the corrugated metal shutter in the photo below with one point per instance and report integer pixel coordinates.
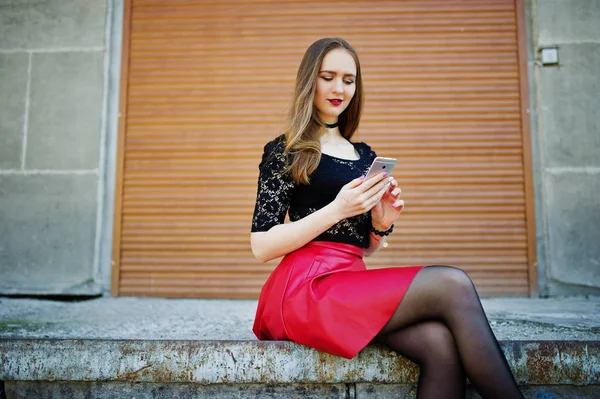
(206, 85)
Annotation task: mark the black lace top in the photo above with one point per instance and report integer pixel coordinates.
(277, 194)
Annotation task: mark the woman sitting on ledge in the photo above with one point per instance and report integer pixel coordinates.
(321, 294)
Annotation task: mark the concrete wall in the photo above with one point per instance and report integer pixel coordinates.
(59, 65)
(52, 80)
(565, 104)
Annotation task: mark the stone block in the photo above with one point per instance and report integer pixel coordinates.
(564, 21)
(128, 390)
(65, 111)
(47, 232)
(573, 209)
(392, 391)
(558, 289)
(52, 23)
(13, 86)
(570, 101)
(385, 391)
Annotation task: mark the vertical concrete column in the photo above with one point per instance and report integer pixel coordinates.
(568, 135)
(52, 57)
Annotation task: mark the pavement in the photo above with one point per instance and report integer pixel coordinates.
(514, 319)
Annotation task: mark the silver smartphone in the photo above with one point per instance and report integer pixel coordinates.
(381, 164)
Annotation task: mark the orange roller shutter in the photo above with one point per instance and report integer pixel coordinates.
(206, 85)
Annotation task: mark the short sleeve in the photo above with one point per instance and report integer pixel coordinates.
(274, 189)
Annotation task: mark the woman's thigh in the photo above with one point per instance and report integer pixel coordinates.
(434, 292)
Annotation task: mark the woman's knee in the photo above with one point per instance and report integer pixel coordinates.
(454, 280)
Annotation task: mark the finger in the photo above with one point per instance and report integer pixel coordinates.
(376, 198)
(396, 192)
(379, 195)
(373, 180)
(398, 204)
(378, 187)
(353, 183)
(384, 190)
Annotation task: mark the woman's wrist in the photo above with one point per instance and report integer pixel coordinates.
(376, 237)
(382, 232)
(380, 227)
(375, 243)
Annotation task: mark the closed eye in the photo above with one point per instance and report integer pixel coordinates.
(329, 79)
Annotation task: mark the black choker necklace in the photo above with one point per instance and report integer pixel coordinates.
(330, 125)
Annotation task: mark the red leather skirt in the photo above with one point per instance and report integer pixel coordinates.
(322, 296)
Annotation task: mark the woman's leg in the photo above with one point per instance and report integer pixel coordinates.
(431, 345)
(447, 294)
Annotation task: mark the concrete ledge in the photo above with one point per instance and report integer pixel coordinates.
(120, 348)
(129, 390)
(125, 390)
(253, 362)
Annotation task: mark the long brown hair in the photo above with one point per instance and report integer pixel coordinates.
(302, 126)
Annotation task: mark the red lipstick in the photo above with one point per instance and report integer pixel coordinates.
(335, 102)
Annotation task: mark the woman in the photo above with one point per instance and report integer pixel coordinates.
(321, 294)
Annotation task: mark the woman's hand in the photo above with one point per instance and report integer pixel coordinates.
(386, 211)
(360, 196)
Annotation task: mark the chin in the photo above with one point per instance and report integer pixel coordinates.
(331, 113)
(334, 113)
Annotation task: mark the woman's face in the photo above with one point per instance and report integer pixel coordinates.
(336, 84)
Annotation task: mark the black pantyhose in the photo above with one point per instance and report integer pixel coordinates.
(431, 345)
(441, 312)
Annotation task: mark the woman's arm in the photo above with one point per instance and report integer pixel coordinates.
(383, 215)
(356, 197)
(285, 238)
(375, 243)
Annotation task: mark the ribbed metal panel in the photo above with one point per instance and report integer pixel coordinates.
(208, 84)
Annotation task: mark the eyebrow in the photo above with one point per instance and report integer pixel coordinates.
(335, 73)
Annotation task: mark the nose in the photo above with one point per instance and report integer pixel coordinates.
(338, 86)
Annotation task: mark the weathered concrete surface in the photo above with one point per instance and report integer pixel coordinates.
(564, 21)
(569, 100)
(47, 226)
(393, 391)
(13, 86)
(574, 214)
(565, 124)
(155, 340)
(180, 348)
(125, 390)
(565, 319)
(52, 80)
(65, 111)
(51, 23)
(277, 362)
